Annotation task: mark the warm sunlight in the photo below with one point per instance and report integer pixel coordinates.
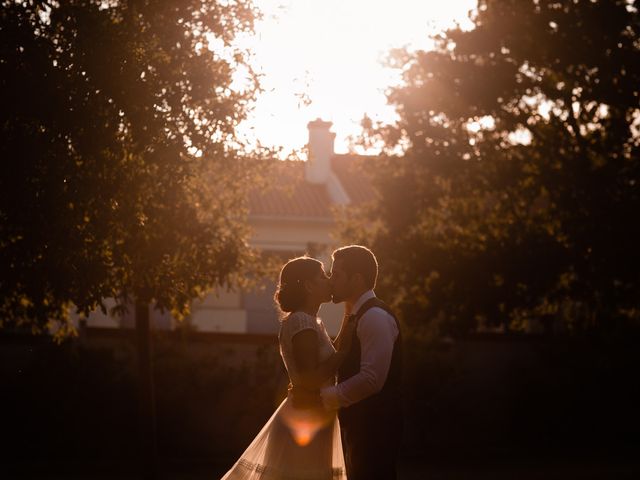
(325, 59)
(304, 424)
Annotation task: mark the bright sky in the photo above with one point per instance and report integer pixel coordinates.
(329, 52)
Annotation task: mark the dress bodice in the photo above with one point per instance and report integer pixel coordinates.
(297, 322)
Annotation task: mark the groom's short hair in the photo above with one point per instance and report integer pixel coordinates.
(358, 259)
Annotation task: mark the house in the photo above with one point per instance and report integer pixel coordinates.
(293, 217)
(296, 215)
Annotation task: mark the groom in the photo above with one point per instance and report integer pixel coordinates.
(368, 390)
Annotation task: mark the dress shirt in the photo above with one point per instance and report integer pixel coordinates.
(377, 332)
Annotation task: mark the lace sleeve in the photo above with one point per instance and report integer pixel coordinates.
(298, 321)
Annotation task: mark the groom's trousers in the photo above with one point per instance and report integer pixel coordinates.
(371, 450)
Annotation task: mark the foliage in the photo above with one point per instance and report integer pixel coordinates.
(213, 398)
(121, 173)
(72, 404)
(514, 197)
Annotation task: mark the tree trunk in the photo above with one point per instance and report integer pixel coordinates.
(148, 443)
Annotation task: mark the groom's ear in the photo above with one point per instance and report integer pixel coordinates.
(357, 278)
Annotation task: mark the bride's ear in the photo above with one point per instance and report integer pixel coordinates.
(307, 286)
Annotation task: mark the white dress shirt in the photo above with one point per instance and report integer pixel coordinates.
(377, 332)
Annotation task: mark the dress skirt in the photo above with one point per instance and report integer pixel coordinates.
(295, 444)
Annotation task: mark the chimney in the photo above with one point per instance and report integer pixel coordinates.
(320, 151)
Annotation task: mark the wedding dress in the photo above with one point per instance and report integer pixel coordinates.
(295, 443)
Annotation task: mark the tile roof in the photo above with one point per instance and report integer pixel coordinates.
(289, 195)
(352, 173)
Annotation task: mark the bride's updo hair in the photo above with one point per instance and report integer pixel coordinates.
(290, 294)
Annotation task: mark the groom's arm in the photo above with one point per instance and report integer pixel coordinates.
(377, 332)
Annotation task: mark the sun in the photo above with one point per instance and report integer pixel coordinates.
(325, 60)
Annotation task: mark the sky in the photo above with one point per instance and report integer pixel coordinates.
(324, 59)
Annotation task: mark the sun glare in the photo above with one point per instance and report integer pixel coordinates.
(325, 59)
(304, 424)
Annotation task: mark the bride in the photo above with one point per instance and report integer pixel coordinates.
(301, 440)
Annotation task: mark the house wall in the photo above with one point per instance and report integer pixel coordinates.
(220, 311)
(277, 234)
(97, 318)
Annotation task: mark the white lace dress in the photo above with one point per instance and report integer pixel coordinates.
(295, 443)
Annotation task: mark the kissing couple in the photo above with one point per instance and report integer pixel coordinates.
(342, 417)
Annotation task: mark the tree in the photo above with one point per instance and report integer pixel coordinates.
(516, 189)
(121, 174)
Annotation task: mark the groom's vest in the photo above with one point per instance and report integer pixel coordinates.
(384, 406)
